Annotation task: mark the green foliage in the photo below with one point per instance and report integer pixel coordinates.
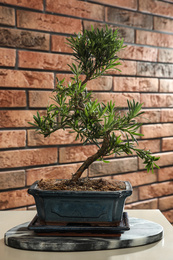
(95, 52)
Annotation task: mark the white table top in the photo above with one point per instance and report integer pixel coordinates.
(162, 250)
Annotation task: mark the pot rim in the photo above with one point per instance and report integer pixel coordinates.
(33, 190)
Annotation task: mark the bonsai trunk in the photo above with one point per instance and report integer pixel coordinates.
(101, 152)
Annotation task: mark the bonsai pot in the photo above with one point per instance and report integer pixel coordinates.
(96, 207)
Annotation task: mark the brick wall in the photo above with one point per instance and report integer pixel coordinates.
(32, 54)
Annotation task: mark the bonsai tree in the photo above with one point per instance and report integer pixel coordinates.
(94, 52)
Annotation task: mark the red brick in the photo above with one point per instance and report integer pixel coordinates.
(76, 153)
(120, 99)
(156, 7)
(167, 115)
(155, 69)
(147, 204)
(163, 24)
(12, 138)
(134, 197)
(123, 137)
(7, 57)
(154, 38)
(76, 8)
(15, 198)
(165, 174)
(150, 116)
(52, 172)
(16, 118)
(12, 179)
(157, 100)
(103, 83)
(59, 44)
(155, 190)
(24, 39)
(138, 53)
(165, 55)
(25, 3)
(169, 215)
(67, 78)
(166, 203)
(45, 61)
(127, 33)
(47, 22)
(166, 85)
(167, 144)
(40, 98)
(137, 178)
(135, 84)
(165, 159)
(130, 4)
(126, 67)
(149, 147)
(57, 138)
(43, 98)
(113, 167)
(124, 17)
(152, 145)
(157, 130)
(107, 178)
(7, 16)
(12, 98)
(26, 79)
(20, 158)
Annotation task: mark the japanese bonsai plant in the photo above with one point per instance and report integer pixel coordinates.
(94, 52)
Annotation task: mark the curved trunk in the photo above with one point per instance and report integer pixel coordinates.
(101, 152)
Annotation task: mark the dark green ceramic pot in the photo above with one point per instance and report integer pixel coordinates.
(80, 206)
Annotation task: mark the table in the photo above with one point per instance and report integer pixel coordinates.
(158, 250)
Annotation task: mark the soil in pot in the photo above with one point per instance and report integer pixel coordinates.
(81, 185)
